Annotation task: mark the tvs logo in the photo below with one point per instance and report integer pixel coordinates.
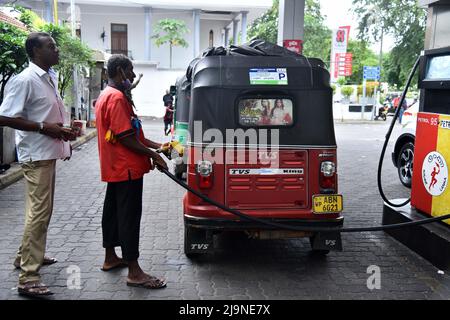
(434, 173)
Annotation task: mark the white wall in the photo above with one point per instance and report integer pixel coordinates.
(205, 27)
(95, 19)
(341, 112)
(147, 96)
(157, 77)
(180, 56)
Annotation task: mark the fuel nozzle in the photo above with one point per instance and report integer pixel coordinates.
(166, 149)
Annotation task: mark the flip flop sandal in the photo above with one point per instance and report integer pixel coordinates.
(120, 265)
(34, 290)
(153, 283)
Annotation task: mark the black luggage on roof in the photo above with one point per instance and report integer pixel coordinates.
(222, 77)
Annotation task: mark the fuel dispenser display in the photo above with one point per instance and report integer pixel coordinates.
(430, 192)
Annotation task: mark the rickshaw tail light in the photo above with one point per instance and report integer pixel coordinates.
(204, 173)
(204, 168)
(205, 182)
(328, 175)
(328, 168)
(328, 182)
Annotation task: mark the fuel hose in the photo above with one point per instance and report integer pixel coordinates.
(274, 224)
(299, 228)
(388, 136)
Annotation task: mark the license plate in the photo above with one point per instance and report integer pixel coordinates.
(327, 203)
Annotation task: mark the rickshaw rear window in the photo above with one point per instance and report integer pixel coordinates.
(265, 112)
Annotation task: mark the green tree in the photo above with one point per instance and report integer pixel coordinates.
(173, 34)
(13, 57)
(317, 37)
(391, 70)
(266, 26)
(404, 20)
(72, 53)
(30, 19)
(362, 56)
(341, 81)
(347, 91)
(370, 89)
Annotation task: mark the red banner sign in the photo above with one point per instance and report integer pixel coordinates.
(293, 45)
(343, 63)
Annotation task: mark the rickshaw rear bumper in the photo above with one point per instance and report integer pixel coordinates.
(221, 224)
(321, 241)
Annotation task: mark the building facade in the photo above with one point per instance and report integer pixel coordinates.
(125, 26)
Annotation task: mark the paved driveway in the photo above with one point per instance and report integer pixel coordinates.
(242, 268)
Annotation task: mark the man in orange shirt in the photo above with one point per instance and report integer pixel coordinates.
(125, 156)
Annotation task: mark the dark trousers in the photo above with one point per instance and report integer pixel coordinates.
(167, 125)
(121, 219)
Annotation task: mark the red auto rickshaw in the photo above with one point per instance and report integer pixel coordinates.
(262, 142)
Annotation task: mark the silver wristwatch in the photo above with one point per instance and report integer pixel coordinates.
(41, 127)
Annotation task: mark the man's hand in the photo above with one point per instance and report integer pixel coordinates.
(159, 162)
(70, 134)
(165, 145)
(131, 142)
(55, 130)
(165, 149)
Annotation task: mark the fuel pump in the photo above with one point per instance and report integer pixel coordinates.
(430, 190)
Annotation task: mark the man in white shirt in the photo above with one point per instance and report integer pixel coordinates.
(33, 106)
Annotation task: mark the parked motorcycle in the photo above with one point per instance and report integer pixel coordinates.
(382, 113)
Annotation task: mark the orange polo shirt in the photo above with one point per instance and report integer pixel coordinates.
(117, 162)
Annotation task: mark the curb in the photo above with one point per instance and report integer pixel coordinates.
(339, 121)
(81, 140)
(14, 173)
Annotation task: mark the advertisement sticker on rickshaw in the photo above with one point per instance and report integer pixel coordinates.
(268, 76)
(265, 112)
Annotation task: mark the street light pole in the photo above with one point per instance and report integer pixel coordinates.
(75, 73)
(376, 19)
(72, 17)
(380, 60)
(55, 12)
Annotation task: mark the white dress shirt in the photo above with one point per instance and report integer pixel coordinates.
(33, 95)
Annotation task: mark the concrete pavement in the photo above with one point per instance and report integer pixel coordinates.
(242, 268)
(14, 173)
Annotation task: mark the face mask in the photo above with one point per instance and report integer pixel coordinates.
(126, 84)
